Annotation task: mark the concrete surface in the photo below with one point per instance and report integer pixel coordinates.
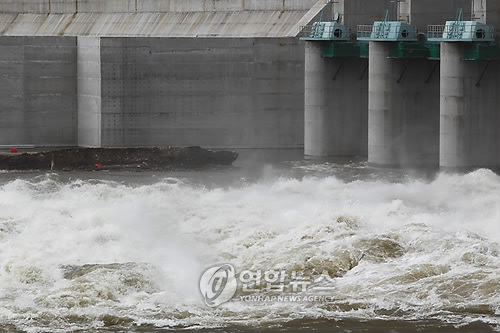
(336, 105)
(191, 24)
(89, 92)
(156, 18)
(133, 6)
(230, 74)
(403, 110)
(431, 12)
(487, 11)
(38, 91)
(470, 117)
(418, 12)
(217, 92)
(246, 93)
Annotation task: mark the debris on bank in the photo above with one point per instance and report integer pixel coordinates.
(117, 158)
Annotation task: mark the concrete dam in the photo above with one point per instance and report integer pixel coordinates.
(412, 82)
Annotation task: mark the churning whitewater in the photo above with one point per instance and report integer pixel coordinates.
(87, 254)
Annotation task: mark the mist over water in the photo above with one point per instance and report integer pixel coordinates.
(111, 251)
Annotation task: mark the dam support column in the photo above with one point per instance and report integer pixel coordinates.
(336, 104)
(382, 118)
(316, 132)
(453, 134)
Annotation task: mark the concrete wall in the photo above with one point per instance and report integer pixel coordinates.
(152, 91)
(210, 92)
(426, 12)
(156, 18)
(487, 11)
(482, 100)
(470, 117)
(403, 109)
(336, 104)
(416, 97)
(359, 12)
(193, 24)
(130, 6)
(418, 12)
(38, 91)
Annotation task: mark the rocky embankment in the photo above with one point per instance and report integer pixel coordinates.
(117, 158)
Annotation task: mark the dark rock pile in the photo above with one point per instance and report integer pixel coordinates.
(117, 158)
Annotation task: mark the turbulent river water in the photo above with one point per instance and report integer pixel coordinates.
(123, 251)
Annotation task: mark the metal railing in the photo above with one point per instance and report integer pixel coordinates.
(365, 30)
(323, 30)
(306, 31)
(435, 31)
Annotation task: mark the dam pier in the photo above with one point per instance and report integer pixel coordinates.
(404, 83)
(424, 87)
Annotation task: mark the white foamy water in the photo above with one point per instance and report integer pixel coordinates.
(89, 254)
